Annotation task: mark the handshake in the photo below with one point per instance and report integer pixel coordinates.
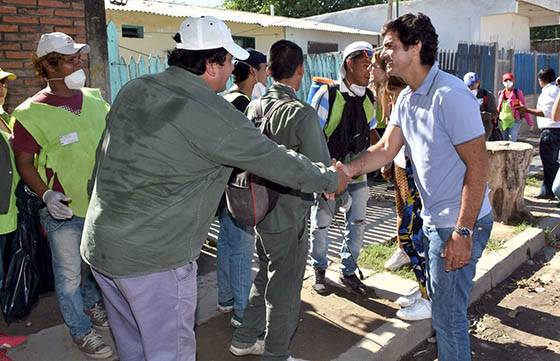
(345, 174)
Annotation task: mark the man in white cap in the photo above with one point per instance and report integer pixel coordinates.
(346, 114)
(161, 169)
(55, 136)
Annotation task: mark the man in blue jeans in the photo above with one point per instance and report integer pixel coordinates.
(346, 115)
(438, 120)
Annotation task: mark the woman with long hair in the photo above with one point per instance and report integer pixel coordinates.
(407, 203)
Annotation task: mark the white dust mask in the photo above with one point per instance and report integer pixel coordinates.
(358, 90)
(74, 81)
(258, 90)
(508, 84)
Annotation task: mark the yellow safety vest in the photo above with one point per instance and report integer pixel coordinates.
(68, 142)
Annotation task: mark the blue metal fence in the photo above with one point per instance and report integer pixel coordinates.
(122, 71)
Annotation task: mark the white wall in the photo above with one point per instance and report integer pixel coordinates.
(301, 37)
(510, 31)
(454, 20)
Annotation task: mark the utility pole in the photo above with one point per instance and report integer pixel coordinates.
(397, 9)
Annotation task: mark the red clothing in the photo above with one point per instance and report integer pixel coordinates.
(23, 141)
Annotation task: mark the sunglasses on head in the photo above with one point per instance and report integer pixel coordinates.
(357, 53)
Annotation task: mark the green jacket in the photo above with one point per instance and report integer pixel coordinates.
(295, 125)
(162, 166)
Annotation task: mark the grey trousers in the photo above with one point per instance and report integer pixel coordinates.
(152, 316)
(275, 297)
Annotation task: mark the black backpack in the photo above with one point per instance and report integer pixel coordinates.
(250, 198)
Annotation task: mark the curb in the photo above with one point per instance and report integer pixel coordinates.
(397, 338)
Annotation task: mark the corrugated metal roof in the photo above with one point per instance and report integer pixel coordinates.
(179, 10)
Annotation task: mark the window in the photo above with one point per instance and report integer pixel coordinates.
(318, 48)
(132, 31)
(244, 41)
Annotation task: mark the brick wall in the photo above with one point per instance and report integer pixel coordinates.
(21, 24)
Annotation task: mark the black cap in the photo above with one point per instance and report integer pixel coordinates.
(255, 59)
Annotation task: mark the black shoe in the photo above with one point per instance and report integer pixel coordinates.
(320, 285)
(545, 196)
(355, 284)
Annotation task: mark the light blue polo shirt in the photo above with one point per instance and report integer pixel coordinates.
(440, 114)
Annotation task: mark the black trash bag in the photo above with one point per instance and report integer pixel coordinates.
(28, 260)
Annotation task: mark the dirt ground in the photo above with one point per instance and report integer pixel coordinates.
(517, 321)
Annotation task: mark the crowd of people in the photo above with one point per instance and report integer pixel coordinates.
(132, 190)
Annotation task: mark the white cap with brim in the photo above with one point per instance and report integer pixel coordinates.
(352, 48)
(5, 74)
(207, 32)
(59, 43)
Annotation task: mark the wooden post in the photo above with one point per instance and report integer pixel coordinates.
(509, 164)
(96, 34)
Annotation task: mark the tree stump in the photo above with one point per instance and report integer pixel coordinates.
(509, 165)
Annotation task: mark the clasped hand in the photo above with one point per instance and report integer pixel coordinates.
(344, 177)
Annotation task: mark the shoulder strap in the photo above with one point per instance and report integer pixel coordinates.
(333, 89)
(369, 94)
(277, 104)
(515, 92)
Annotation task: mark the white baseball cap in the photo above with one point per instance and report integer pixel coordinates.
(59, 43)
(207, 32)
(352, 48)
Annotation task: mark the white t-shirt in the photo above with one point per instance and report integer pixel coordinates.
(545, 103)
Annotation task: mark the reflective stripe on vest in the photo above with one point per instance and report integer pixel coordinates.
(338, 108)
(68, 142)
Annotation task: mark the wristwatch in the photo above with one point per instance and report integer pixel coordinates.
(463, 231)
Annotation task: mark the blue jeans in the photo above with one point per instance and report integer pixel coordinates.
(236, 245)
(321, 218)
(450, 291)
(512, 133)
(75, 291)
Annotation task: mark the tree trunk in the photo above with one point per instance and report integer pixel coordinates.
(509, 165)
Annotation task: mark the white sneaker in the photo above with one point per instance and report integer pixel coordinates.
(397, 260)
(420, 310)
(295, 359)
(256, 349)
(408, 300)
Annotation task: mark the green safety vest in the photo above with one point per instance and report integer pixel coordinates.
(336, 109)
(68, 142)
(8, 221)
(507, 119)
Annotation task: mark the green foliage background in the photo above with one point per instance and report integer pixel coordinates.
(297, 8)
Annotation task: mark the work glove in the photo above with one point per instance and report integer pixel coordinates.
(56, 208)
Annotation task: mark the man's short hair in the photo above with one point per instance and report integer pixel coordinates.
(241, 72)
(195, 60)
(547, 75)
(283, 59)
(414, 28)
